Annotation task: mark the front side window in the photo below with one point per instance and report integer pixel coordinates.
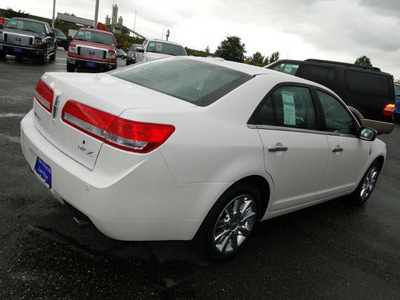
(337, 118)
(288, 106)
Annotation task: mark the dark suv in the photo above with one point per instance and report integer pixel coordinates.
(23, 37)
(367, 91)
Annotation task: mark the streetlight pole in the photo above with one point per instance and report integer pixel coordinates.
(96, 14)
(134, 23)
(54, 12)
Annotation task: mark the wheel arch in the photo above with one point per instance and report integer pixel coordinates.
(263, 187)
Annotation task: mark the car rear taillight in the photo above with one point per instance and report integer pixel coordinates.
(44, 95)
(121, 133)
(389, 110)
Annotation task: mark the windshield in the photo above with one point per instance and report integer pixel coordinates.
(95, 37)
(166, 48)
(26, 25)
(196, 82)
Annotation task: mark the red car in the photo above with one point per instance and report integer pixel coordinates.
(92, 50)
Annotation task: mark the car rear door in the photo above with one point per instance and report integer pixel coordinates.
(295, 153)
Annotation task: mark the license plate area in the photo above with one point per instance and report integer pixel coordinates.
(17, 50)
(90, 64)
(44, 171)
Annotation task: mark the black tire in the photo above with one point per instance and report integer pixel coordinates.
(230, 222)
(2, 55)
(66, 48)
(43, 58)
(366, 186)
(128, 62)
(70, 67)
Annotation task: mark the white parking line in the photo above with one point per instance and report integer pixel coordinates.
(11, 115)
(14, 139)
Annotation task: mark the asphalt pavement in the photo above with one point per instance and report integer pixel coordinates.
(330, 251)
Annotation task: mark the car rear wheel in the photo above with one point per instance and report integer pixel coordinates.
(366, 186)
(230, 222)
(2, 55)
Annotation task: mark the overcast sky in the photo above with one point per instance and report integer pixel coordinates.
(339, 30)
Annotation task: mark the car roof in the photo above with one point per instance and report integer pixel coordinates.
(95, 30)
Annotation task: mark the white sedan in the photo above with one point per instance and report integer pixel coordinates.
(184, 148)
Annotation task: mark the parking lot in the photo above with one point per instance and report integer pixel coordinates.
(330, 251)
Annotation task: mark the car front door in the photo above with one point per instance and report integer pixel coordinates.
(295, 153)
(347, 153)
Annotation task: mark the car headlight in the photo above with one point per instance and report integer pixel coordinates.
(111, 55)
(72, 50)
(37, 42)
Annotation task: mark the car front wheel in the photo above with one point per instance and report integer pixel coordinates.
(70, 67)
(366, 186)
(230, 222)
(44, 57)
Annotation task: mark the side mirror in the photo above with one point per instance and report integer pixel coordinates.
(139, 49)
(368, 134)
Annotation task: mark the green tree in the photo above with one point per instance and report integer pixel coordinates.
(231, 49)
(274, 57)
(363, 61)
(257, 59)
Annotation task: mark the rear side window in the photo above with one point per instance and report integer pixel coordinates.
(321, 75)
(367, 84)
(288, 106)
(196, 82)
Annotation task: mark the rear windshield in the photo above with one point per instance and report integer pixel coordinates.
(166, 48)
(196, 82)
(95, 37)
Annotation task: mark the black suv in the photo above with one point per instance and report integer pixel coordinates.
(23, 37)
(367, 91)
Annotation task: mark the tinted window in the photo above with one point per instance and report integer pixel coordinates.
(367, 84)
(166, 48)
(288, 106)
(288, 68)
(193, 81)
(337, 118)
(322, 75)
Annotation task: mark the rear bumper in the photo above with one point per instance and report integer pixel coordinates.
(137, 201)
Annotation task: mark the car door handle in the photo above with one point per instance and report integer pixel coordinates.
(276, 148)
(337, 149)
